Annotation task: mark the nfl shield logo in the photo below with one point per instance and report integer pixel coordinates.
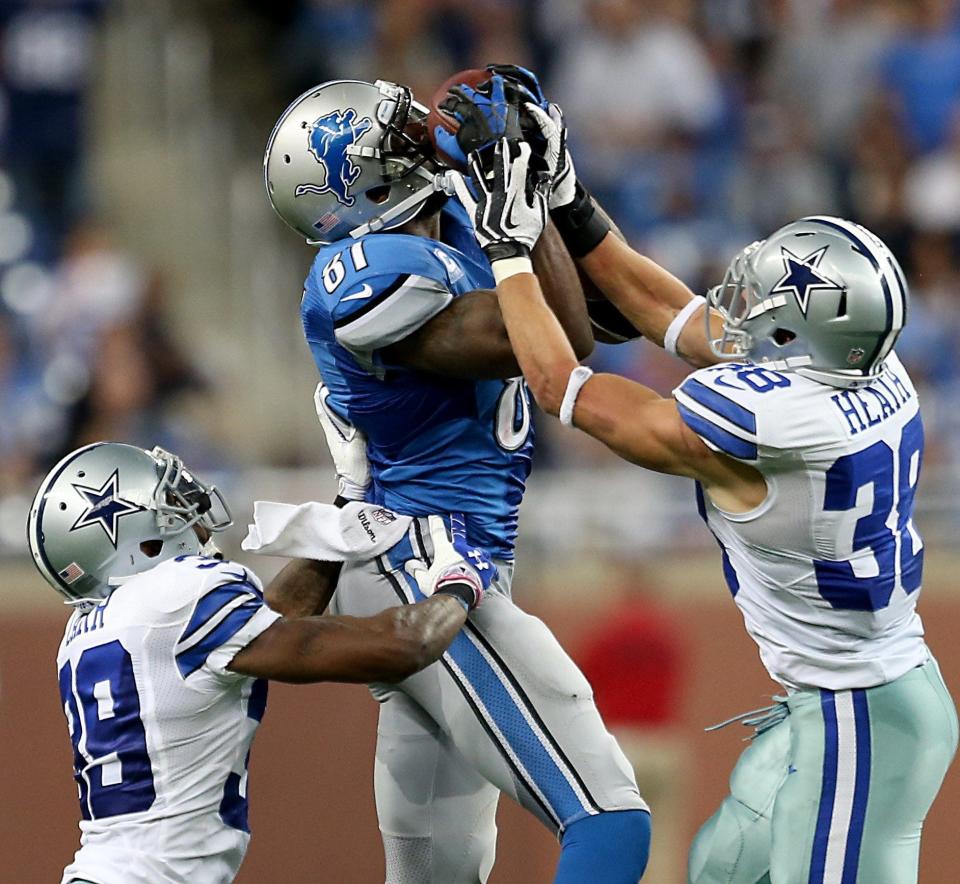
(855, 355)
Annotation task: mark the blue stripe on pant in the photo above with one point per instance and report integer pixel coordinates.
(846, 733)
(512, 726)
(861, 791)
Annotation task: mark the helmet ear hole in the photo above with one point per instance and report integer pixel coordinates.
(151, 548)
(783, 336)
(378, 194)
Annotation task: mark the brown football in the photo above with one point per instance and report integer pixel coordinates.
(472, 77)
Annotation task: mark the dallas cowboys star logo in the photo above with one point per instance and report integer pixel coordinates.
(801, 277)
(105, 507)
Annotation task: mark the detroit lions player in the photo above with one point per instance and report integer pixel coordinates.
(404, 327)
(806, 453)
(161, 666)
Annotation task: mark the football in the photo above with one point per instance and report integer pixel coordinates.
(437, 117)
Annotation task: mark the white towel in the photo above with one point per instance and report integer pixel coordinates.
(355, 533)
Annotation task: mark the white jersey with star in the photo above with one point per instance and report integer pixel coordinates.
(161, 729)
(827, 570)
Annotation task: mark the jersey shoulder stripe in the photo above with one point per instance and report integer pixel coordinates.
(716, 436)
(717, 403)
(226, 610)
(727, 422)
(215, 603)
(400, 307)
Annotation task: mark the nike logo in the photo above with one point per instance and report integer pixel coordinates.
(365, 292)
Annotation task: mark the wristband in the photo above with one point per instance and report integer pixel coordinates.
(578, 377)
(672, 334)
(463, 592)
(507, 267)
(580, 225)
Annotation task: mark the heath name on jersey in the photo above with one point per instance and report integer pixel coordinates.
(826, 571)
(435, 444)
(161, 729)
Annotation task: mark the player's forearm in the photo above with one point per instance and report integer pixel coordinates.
(541, 346)
(560, 284)
(303, 588)
(422, 632)
(389, 646)
(648, 295)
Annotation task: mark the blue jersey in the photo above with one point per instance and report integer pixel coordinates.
(435, 444)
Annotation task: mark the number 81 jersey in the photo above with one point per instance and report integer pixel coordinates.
(827, 570)
(161, 729)
(435, 444)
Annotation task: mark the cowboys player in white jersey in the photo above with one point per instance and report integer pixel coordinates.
(163, 663)
(806, 452)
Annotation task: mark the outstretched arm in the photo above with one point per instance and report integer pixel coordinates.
(631, 419)
(390, 645)
(652, 299)
(386, 647)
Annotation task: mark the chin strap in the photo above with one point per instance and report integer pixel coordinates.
(438, 183)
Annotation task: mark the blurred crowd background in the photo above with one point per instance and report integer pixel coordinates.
(137, 299)
(148, 294)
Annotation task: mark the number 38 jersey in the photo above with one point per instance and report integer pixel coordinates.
(161, 730)
(435, 444)
(827, 570)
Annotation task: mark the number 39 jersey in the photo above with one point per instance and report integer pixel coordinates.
(161, 730)
(435, 444)
(827, 570)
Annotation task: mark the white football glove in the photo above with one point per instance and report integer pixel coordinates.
(563, 178)
(509, 210)
(347, 445)
(456, 570)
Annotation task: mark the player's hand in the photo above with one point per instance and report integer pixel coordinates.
(522, 84)
(563, 178)
(507, 203)
(458, 569)
(486, 114)
(348, 448)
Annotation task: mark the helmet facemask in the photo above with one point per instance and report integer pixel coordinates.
(405, 150)
(182, 501)
(736, 299)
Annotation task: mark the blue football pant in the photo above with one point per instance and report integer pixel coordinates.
(837, 792)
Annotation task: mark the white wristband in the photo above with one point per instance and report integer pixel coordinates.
(672, 334)
(507, 267)
(578, 377)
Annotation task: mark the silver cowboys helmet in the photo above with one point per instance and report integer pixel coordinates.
(109, 510)
(822, 296)
(349, 158)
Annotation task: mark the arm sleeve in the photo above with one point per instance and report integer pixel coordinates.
(224, 620)
(725, 421)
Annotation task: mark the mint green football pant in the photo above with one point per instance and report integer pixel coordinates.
(836, 792)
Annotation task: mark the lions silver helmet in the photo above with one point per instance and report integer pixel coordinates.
(822, 296)
(110, 510)
(349, 158)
